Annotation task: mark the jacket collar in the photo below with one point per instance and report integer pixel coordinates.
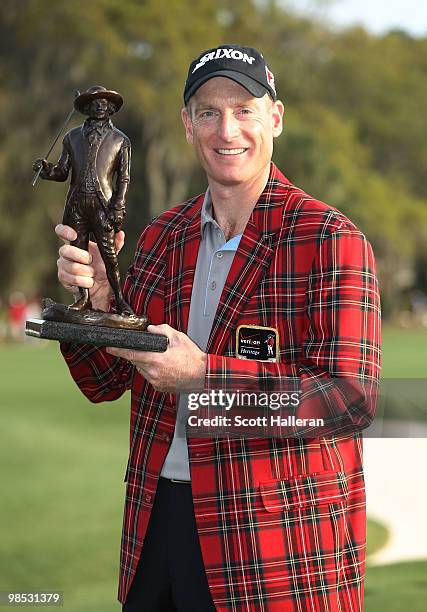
(266, 217)
(251, 260)
(94, 125)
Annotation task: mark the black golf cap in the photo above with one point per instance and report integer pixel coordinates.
(244, 65)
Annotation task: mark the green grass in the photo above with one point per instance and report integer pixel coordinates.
(404, 353)
(62, 462)
(396, 588)
(404, 357)
(376, 536)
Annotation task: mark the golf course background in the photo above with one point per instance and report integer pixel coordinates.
(62, 463)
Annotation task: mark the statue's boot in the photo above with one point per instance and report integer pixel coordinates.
(113, 276)
(83, 302)
(123, 307)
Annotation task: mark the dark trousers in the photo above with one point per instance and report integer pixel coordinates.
(170, 575)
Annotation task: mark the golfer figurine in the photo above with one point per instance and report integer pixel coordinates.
(98, 155)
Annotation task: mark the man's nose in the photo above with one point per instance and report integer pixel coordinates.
(228, 127)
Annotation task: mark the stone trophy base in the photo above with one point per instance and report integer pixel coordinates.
(96, 335)
(94, 327)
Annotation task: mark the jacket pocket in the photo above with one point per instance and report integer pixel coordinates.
(306, 490)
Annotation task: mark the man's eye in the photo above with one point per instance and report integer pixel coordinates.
(206, 114)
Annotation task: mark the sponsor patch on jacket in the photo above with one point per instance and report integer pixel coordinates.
(257, 342)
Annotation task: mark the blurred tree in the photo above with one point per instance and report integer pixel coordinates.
(354, 133)
(130, 46)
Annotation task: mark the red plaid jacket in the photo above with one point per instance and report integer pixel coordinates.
(281, 521)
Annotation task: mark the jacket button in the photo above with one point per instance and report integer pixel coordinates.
(165, 436)
(147, 497)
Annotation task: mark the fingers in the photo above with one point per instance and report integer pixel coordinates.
(72, 273)
(70, 281)
(144, 362)
(128, 354)
(65, 232)
(74, 254)
(120, 240)
(74, 268)
(123, 353)
(137, 358)
(163, 330)
(68, 234)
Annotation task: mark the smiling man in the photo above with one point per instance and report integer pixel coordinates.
(251, 281)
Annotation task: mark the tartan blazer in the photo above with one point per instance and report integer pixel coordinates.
(281, 521)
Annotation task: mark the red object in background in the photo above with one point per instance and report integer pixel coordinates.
(17, 312)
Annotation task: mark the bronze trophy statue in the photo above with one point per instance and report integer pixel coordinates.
(98, 156)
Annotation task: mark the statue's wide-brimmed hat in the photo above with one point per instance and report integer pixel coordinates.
(97, 91)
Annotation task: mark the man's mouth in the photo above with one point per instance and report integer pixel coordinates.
(230, 151)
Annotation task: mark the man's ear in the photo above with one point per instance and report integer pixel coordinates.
(277, 117)
(188, 125)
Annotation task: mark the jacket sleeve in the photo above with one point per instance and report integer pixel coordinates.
(59, 171)
(338, 371)
(123, 177)
(100, 376)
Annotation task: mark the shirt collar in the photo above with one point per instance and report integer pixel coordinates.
(206, 217)
(206, 212)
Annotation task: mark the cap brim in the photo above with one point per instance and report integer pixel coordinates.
(252, 86)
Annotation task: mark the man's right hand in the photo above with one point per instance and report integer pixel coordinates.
(79, 268)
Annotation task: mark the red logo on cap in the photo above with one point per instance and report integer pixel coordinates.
(270, 79)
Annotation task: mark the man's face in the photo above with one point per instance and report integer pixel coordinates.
(232, 131)
(98, 108)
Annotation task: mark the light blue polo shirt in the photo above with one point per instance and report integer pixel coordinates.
(214, 261)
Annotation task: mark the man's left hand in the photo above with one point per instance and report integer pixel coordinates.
(181, 368)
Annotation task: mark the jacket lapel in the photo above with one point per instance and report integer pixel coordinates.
(251, 260)
(249, 265)
(183, 248)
